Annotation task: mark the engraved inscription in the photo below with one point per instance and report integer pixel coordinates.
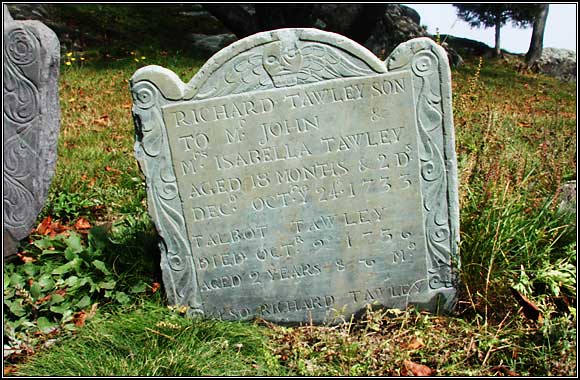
(247, 190)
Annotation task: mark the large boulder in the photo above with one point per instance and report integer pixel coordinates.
(559, 63)
(397, 24)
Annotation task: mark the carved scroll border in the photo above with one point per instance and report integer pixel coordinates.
(428, 63)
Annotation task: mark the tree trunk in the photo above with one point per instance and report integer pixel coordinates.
(497, 51)
(537, 42)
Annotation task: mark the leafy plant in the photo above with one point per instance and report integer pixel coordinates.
(68, 206)
(62, 280)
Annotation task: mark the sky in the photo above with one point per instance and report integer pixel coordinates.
(560, 32)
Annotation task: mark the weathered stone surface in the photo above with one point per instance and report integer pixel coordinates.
(210, 43)
(396, 25)
(296, 177)
(31, 121)
(559, 63)
(568, 197)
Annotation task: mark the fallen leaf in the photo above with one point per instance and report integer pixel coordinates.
(531, 311)
(505, 370)
(82, 224)
(44, 225)
(43, 299)
(93, 310)
(79, 318)
(9, 369)
(25, 259)
(110, 169)
(57, 228)
(413, 369)
(61, 292)
(416, 344)
(155, 287)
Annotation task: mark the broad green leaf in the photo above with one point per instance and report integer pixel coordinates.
(56, 298)
(6, 279)
(16, 308)
(35, 290)
(84, 302)
(72, 282)
(107, 285)
(85, 280)
(70, 254)
(30, 269)
(60, 309)
(122, 298)
(70, 327)
(74, 242)
(65, 268)
(101, 266)
(46, 282)
(43, 244)
(139, 288)
(17, 280)
(9, 292)
(45, 326)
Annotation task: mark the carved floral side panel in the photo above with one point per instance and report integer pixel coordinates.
(31, 122)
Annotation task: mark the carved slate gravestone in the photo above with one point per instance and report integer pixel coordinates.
(31, 122)
(297, 177)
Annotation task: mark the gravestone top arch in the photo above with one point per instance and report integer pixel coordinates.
(296, 177)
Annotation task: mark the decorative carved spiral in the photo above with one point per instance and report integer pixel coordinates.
(18, 207)
(20, 95)
(168, 191)
(435, 282)
(430, 172)
(424, 63)
(175, 262)
(144, 95)
(21, 47)
(439, 235)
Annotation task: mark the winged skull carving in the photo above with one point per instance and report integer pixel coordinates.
(282, 64)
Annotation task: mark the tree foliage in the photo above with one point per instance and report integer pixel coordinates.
(498, 14)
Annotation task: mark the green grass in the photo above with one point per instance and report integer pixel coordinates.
(515, 143)
(151, 340)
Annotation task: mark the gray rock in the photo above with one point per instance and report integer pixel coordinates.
(559, 63)
(210, 43)
(296, 177)
(568, 197)
(397, 25)
(31, 121)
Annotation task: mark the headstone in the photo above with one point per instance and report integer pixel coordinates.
(298, 178)
(31, 121)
